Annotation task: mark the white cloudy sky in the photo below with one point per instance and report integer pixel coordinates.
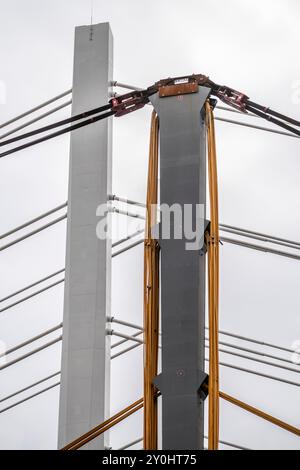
(252, 46)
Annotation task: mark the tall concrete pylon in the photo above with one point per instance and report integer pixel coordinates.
(85, 376)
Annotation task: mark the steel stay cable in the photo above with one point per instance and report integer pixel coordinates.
(31, 340)
(30, 397)
(273, 120)
(54, 125)
(263, 249)
(36, 119)
(30, 353)
(46, 278)
(271, 112)
(263, 235)
(36, 108)
(231, 366)
(256, 341)
(262, 239)
(33, 221)
(116, 253)
(100, 429)
(57, 133)
(34, 232)
(253, 126)
(260, 413)
(136, 99)
(108, 426)
(56, 373)
(72, 445)
(28, 387)
(226, 333)
(253, 351)
(258, 360)
(54, 284)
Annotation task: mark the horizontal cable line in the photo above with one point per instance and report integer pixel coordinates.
(125, 350)
(125, 323)
(253, 126)
(130, 444)
(54, 125)
(34, 232)
(113, 197)
(31, 295)
(32, 285)
(32, 221)
(132, 338)
(124, 85)
(36, 108)
(256, 341)
(226, 228)
(122, 335)
(253, 351)
(223, 227)
(138, 242)
(262, 235)
(127, 338)
(128, 214)
(231, 366)
(18, 392)
(64, 130)
(31, 340)
(141, 342)
(260, 374)
(30, 397)
(261, 361)
(38, 118)
(256, 237)
(59, 219)
(115, 345)
(30, 353)
(137, 345)
(227, 333)
(259, 248)
(129, 237)
(57, 282)
(56, 373)
(231, 110)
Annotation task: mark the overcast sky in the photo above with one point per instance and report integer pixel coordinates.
(252, 46)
